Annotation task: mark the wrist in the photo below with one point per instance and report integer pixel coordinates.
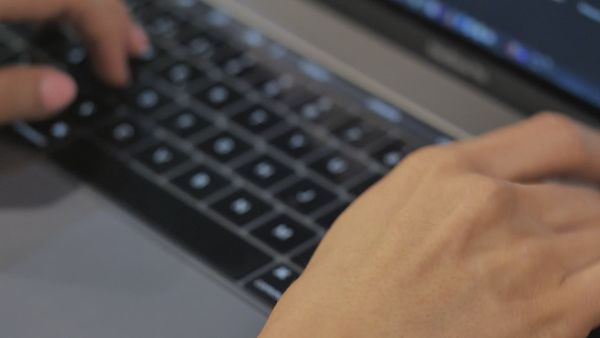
(299, 316)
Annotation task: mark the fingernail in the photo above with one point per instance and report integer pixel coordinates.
(140, 40)
(57, 90)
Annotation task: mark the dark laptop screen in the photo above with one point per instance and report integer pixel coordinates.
(558, 40)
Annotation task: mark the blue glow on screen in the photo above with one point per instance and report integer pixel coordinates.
(506, 47)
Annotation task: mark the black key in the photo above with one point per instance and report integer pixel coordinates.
(319, 110)
(200, 182)
(238, 65)
(224, 147)
(304, 257)
(327, 220)
(80, 71)
(199, 44)
(257, 119)
(153, 53)
(224, 53)
(219, 96)
(365, 184)
(241, 207)
(59, 46)
(297, 97)
(55, 131)
(122, 133)
(277, 87)
(73, 55)
(83, 111)
(142, 63)
(295, 143)
(86, 111)
(358, 133)
(196, 232)
(161, 24)
(161, 158)
(186, 124)
(217, 36)
(265, 171)
(337, 167)
(283, 234)
(145, 100)
(181, 73)
(390, 155)
(258, 74)
(306, 196)
(271, 286)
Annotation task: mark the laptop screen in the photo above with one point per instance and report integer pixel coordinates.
(557, 40)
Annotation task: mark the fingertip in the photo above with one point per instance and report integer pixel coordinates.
(57, 91)
(138, 40)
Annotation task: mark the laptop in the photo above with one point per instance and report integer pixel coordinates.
(185, 205)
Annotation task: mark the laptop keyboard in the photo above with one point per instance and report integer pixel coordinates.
(238, 149)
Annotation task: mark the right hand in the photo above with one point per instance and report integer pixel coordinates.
(467, 240)
(35, 92)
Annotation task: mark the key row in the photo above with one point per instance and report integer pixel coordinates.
(225, 147)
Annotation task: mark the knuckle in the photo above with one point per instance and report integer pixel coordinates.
(552, 119)
(568, 132)
(484, 200)
(488, 190)
(424, 155)
(561, 124)
(434, 157)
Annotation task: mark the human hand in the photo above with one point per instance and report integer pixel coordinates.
(34, 92)
(466, 240)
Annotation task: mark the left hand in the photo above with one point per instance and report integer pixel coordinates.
(35, 92)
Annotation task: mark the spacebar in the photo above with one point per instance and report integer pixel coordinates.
(196, 232)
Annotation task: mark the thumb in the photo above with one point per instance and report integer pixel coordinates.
(33, 92)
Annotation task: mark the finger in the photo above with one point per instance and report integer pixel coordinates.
(137, 40)
(545, 146)
(99, 22)
(105, 34)
(33, 92)
(561, 207)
